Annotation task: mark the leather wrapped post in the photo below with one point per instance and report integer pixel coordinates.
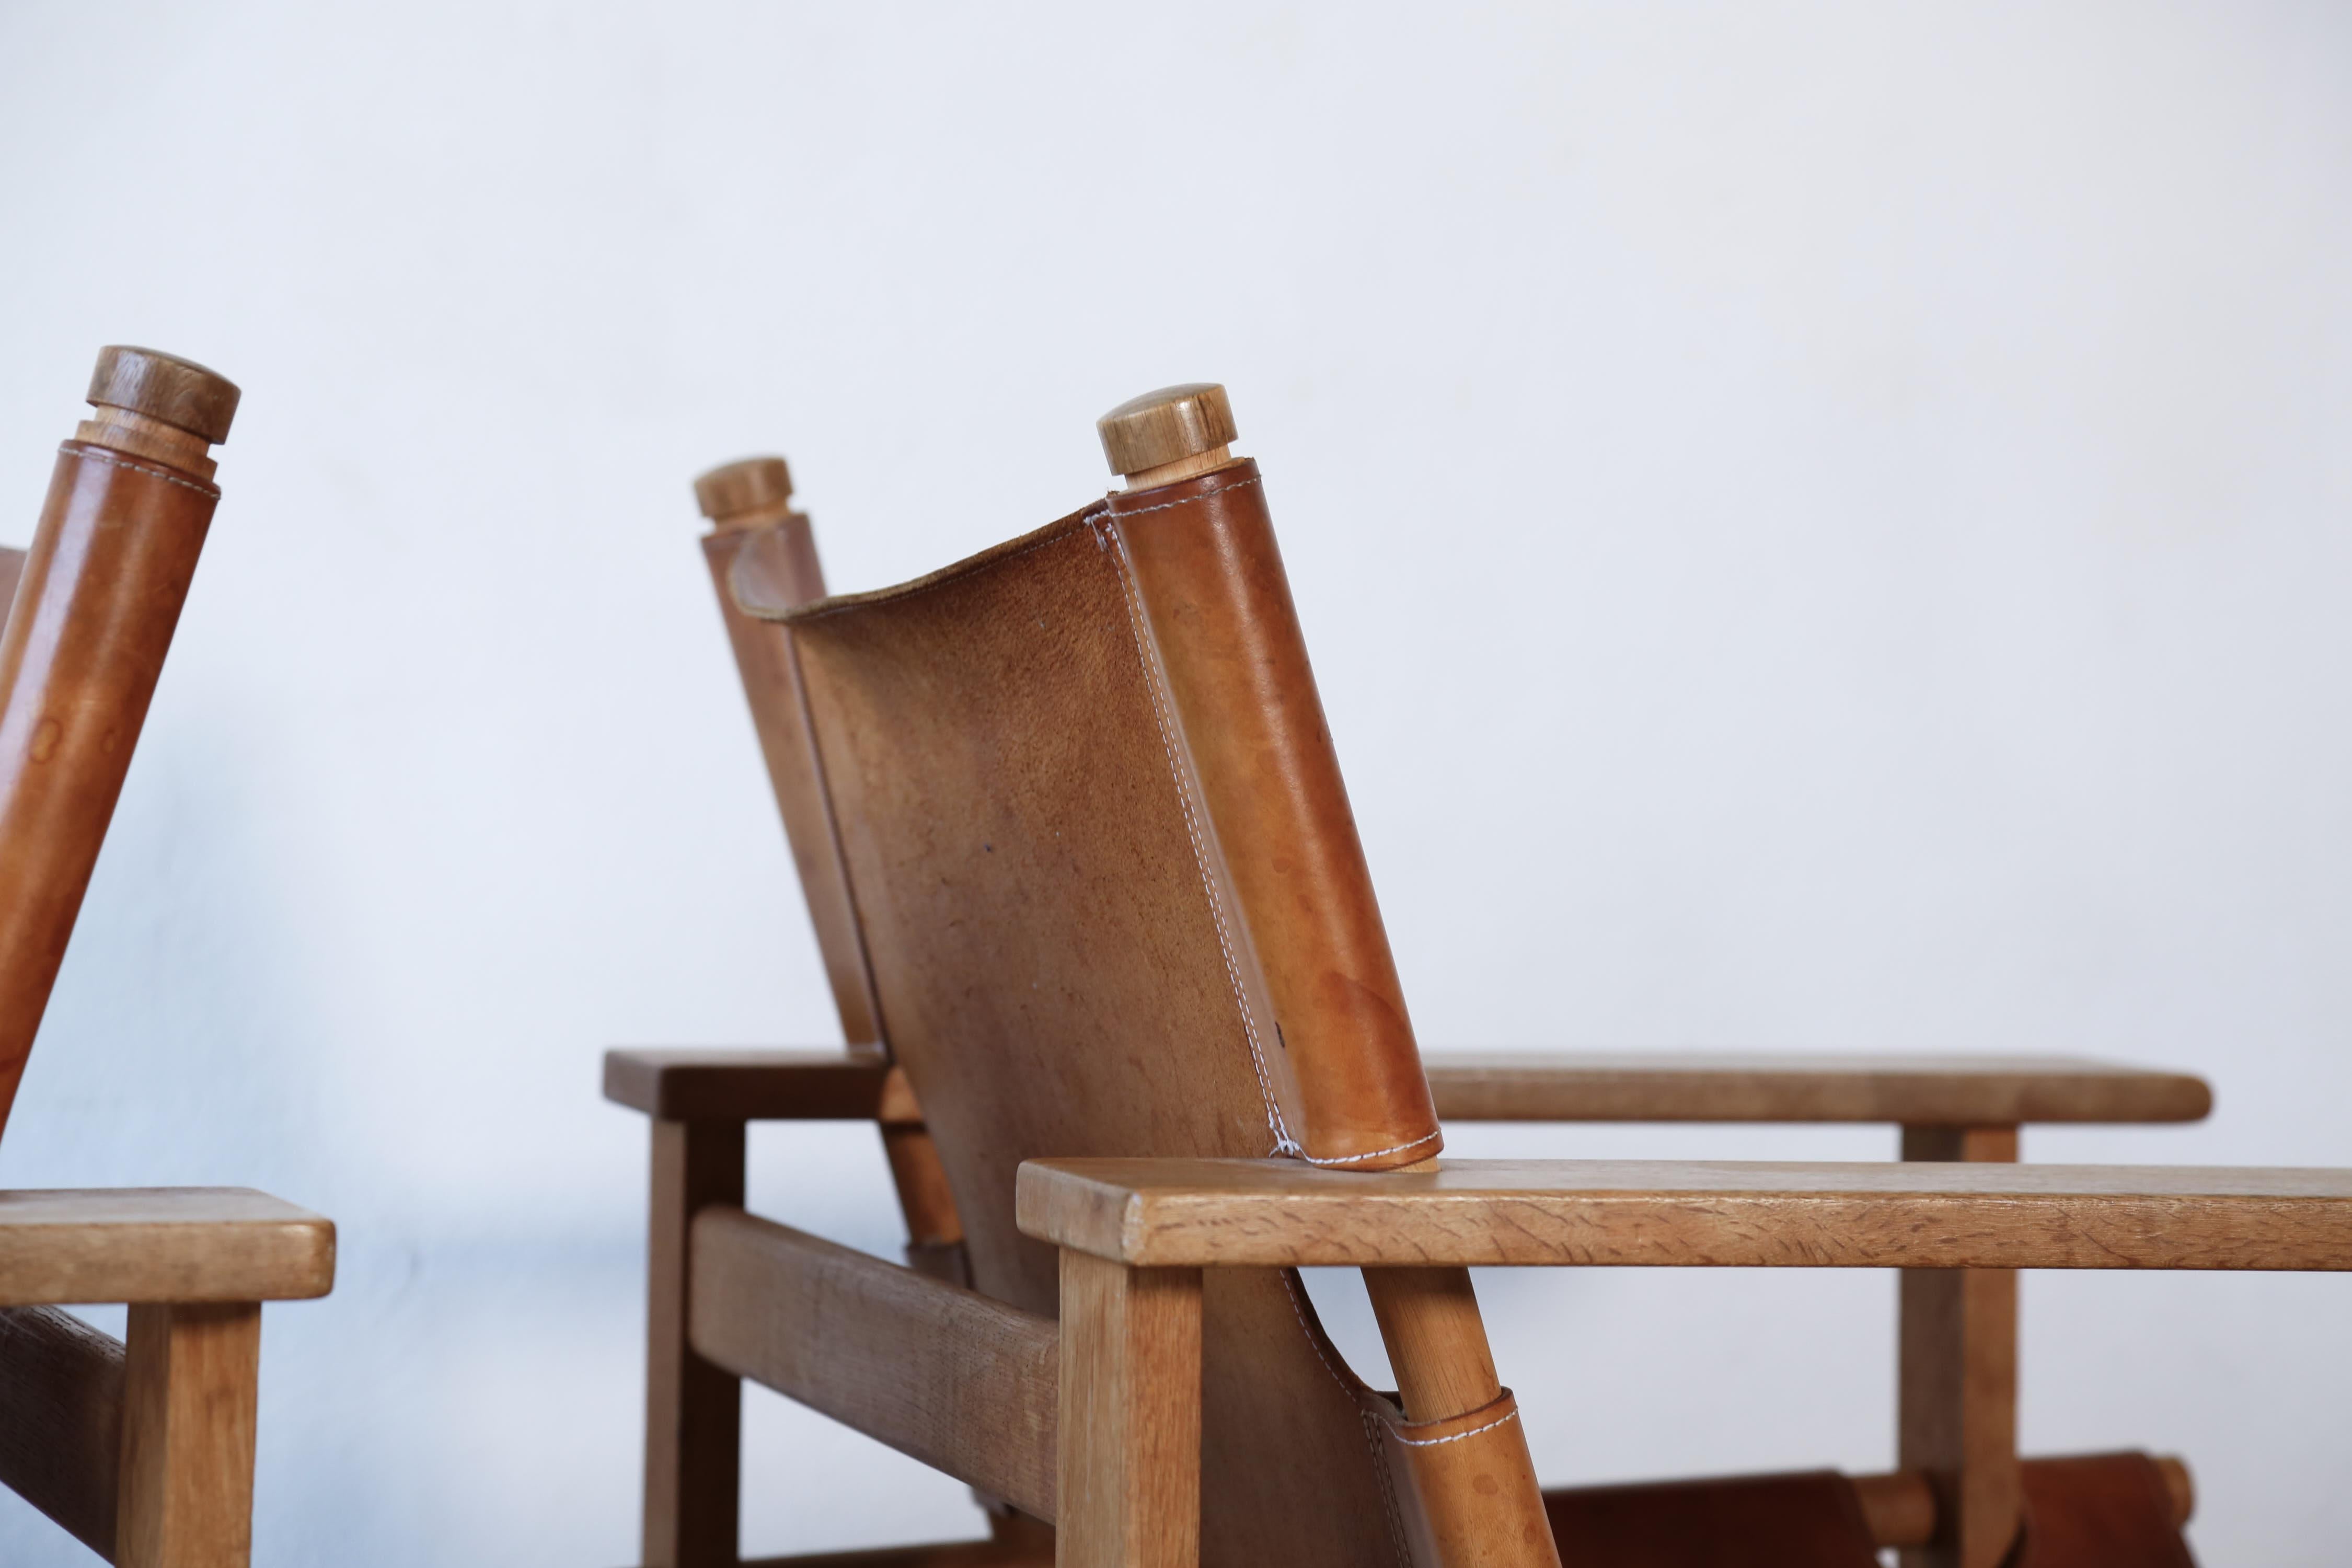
(1197, 540)
(1460, 1472)
(1212, 591)
(101, 593)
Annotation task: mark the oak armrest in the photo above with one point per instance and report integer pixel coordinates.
(748, 1086)
(1949, 1091)
(160, 1244)
(1682, 1213)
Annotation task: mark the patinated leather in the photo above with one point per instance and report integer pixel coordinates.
(91, 619)
(2099, 1511)
(1462, 1476)
(1808, 1520)
(1056, 975)
(1247, 718)
(1093, 835)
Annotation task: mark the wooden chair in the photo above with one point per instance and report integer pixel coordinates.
(1068, 822)
(142, 1449)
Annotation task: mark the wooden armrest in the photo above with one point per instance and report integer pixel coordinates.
(1664, 1212)
(748, 1086)
(1949, 1091)
(160, 1244)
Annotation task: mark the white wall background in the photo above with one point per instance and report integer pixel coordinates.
(1822, 526)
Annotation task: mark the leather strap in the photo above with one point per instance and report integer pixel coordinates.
(2099, 1511)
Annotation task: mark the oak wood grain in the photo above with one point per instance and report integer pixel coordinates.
(190, 1378)
(963, 1383)
(1564, 1085)
(693, 1409)
(1130, 1416)
(1436, 1339)
(1692, 1214)
(61, 1420)
(768, 559)
(1957, 1418)
(836, 1085)
(160, 1244)
(673, 1085)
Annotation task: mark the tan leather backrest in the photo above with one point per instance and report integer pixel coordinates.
(1112, 902)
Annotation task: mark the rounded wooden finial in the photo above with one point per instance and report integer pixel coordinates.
(755, 484)
(1176, 427)
(177, 391)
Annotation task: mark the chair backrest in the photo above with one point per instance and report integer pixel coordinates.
(1092, 847)
(94, 604)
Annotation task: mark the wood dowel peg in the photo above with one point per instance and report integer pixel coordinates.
(1172, 433)
(160, 406)
(738, 495)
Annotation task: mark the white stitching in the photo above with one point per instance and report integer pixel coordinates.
(1290, 1287)
(1388, 1487)
(1354, 1159)
(1510, 1415)
(1120, 512)
(1370, 1422)
(1283, 1141)
(99, 455)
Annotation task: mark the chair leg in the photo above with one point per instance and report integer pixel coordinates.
(190, 1378)
(693, 1410)
(1958, 1398)
(1128, 1480)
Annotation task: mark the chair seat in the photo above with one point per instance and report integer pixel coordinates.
(160, 1244)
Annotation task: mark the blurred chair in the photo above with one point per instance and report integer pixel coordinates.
(1067, 816)
(143, 1450)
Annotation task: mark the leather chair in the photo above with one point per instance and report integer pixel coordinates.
(1074, 842)
(142, 1449)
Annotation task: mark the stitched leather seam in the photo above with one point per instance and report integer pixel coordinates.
(1122, 513)
(1283, 1141)
(1354, 1159)
(1502, 1420)
(99, 455)
(1388, 1488)
(1290, 1288)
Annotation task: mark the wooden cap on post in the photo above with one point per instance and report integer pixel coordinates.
(159, 406)
(756, 490)
(1169, 435)
(179, 392)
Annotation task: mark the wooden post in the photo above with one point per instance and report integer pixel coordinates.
(693, 1410)
(1959, 1397)
(1436, 1342)
(1214, 610)
(191, 1374)
(1127, 1482)
(758, 541)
